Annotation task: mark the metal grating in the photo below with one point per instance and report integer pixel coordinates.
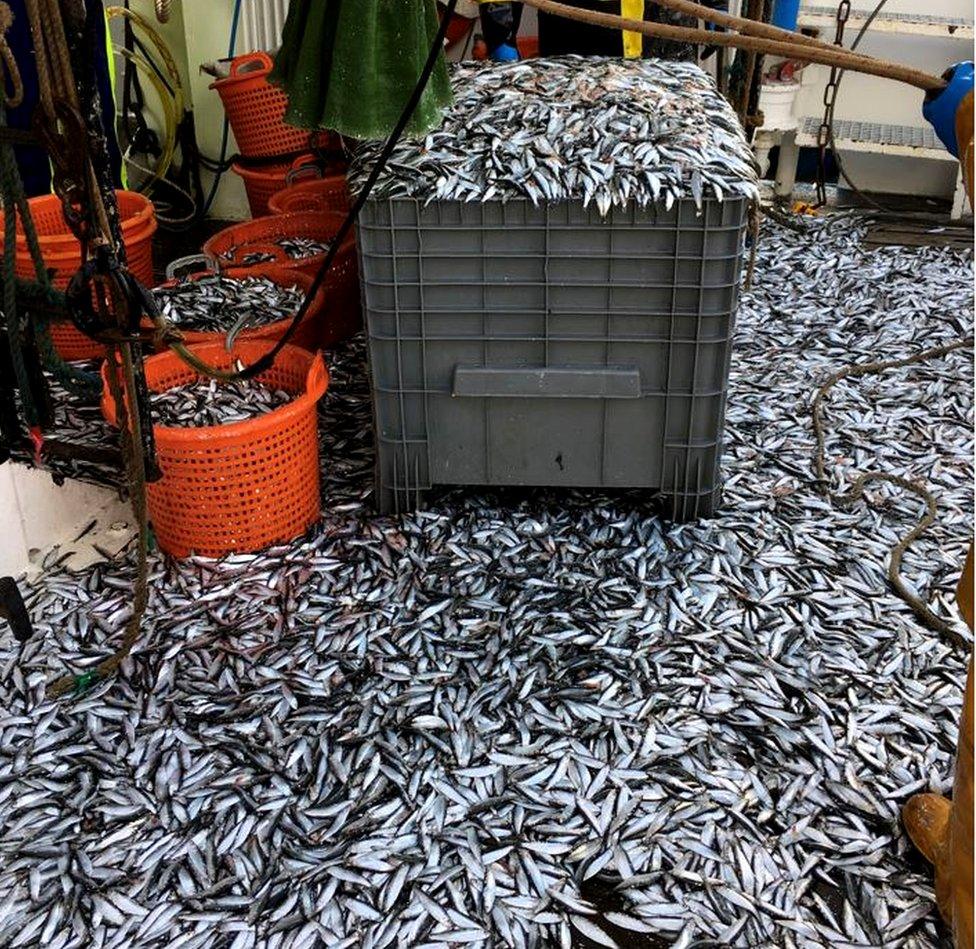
(877, 137)
(895, 22)
(876, 133)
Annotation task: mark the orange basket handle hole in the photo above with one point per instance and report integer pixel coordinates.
(306, 166)
(251, 63)
(317, 380)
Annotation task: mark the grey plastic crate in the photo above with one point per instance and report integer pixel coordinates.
(514, 345)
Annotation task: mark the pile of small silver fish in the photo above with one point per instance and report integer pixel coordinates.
(525, 718)
(605, 131)
(207, 402)
(78, 420)
(218, 304)
(297, 248)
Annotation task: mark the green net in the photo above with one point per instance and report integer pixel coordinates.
(350, 65)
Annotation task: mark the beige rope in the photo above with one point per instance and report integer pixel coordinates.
(921, 610)
(56, 82)
(793, 49)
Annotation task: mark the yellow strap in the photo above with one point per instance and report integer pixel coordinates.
(633, 42)
(110, 52)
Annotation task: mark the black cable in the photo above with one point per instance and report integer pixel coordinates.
(190, 166)
(830, 124)
(163, 78)
(133, 99)
(213, 164)
(436, 51)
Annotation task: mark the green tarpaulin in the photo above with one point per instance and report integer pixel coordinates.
(350, 65)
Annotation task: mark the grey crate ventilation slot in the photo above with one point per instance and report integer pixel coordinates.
(514, 345)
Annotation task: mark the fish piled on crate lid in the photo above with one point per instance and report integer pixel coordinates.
(605, 131)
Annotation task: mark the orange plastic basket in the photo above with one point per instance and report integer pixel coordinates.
(136, 212)
(62, 255)
(242, 486)
(330, 193)
(71, 343)
(262, 184)
(256, 109)
(310, 331)
(261, 235)
(341, 289)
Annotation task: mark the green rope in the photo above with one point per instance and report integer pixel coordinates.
(41, 301)
(83, 681)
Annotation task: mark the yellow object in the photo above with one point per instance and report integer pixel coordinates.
(124, 174)
(633, 42)
(804, 207)
(173, 103)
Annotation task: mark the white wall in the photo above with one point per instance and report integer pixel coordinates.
(207, 24)
(36, 515)
(199, 32)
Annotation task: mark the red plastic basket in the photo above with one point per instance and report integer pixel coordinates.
(62, 255)
(310, 331)
(256, 109)
(71, 343)
(330, 193)
(242, 486)
(262, 184)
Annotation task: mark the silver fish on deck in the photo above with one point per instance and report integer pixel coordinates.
(521, 718)
(296, 248)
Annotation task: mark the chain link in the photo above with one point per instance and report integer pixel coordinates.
(829, 98)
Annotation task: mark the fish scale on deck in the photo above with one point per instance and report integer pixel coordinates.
(445, 728)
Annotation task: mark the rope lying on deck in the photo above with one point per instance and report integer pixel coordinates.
(921, 610)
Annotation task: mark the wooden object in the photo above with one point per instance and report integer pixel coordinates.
(943, 830)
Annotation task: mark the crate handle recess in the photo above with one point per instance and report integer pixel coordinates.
(565, 382)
